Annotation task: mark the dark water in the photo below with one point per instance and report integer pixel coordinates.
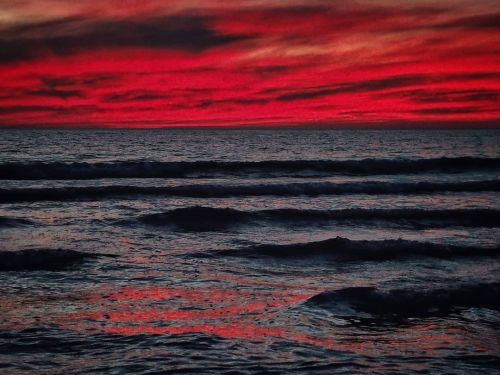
(252, 251)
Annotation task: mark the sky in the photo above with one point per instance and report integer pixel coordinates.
(157, 63)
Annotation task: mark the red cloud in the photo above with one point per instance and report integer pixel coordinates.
(270, 63)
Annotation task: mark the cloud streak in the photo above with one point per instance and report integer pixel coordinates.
(67, 36)
(156, 63)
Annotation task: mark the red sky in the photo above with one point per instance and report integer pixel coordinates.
(143, 63)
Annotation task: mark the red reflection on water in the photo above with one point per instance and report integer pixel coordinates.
(252, 307)
(247, 331)
(200, 296)
(226, 313)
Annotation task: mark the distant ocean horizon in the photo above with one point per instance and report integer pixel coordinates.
(249, 250)
(305, 126)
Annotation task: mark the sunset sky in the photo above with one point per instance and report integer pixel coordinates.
(154, 63)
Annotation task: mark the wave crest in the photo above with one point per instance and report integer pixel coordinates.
(13, 222)
(197, 218)
(180, 169)
(401, 303)
(221, 191)
(209, 218)
(43, 259)
(363, 250)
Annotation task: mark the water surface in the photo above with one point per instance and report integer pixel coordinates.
(250, 251)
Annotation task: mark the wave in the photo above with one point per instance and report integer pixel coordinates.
(43, 259)
(221, 191)
(199, 218)
(156, 169)
(356, 250)
(13, 222)
(401, 304)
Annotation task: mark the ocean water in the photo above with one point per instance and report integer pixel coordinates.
(249, 251)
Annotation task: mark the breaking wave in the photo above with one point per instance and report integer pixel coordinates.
(42, 259)
(208, 218)
(12, 222)
(351, 250)
(220, 191)
(400, 303)
(157, 169)
(198, 218)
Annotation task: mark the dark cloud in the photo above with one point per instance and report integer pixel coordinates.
(305, 95)
(447, 111)
(356, 87)
(12, 51)
(60, 110)
(86, 80)
(184, 32)
(379, 84)
(484, 21)
(62, 94)
(78, 109)
(235, 101)
(482, 96)
(472, 76)
(65, 87)
(270, 71)
(15, 109)
(402, 81)
(358, 114)
(446, 96)
(134, 96)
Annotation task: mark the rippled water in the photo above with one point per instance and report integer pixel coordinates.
(249, 251)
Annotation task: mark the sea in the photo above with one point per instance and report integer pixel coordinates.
(249, 251)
